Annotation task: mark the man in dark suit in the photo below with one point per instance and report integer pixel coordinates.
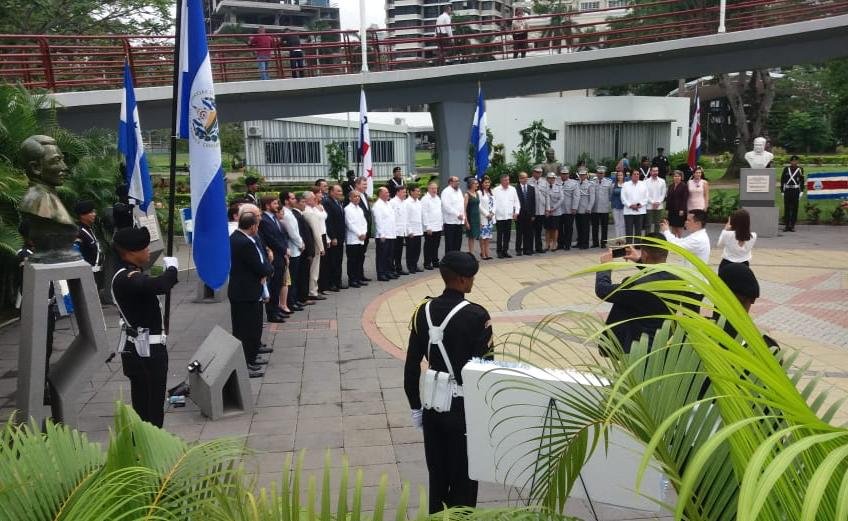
(331, 269)
(308, 251)
(527, 198)
(274, 236)
(633, 307)
(250, 270)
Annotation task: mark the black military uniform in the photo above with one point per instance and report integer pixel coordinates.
(135, 294)
(661, 162)
(87, 242)
(467, 335)
(791, 185)
(250, 195)
(393, 183)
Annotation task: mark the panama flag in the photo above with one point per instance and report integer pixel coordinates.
(695, 134)
(365, 143)
(131, 146)
(197, 121)
(478, 136)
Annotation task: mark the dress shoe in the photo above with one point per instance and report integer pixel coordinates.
(596, 245)
(287, 312)
(365, 279)
(540, 251)
(428, 267)
(362, 283)
(308, 303)
(302, 302)
(255, 374)
(355, 285)
(435, 264)
(264, 350)
(519, 254)
(343, 287)
(296, 307)
(262, 344)
(277, 320)
(260, 361)
(507, 256)
(254, 367)
(500, 255)
(317, 297)
(403, 273)
(383, 279)
(335, 289)
(528, 253)
(393, 276)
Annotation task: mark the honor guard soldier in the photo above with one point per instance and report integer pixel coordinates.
(142, 345)
(570, 198)
(449, 331)
(661, 161)
(86, 241)
(395, 182)
(601, 209)
(792, 185)
(250, 196)
(585, 202)
(540, 186)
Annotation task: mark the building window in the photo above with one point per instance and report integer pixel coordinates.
(292, 152)
(588, 6)
(616, 4)
(383, 151)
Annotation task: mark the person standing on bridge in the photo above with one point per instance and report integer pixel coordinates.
(263, 43)
(444, 32)
(519, 35)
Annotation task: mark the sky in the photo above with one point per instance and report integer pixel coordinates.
(375, 13)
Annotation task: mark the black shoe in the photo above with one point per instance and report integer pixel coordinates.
(355, 285)
(365, 279)
(383, 279)
(254, 367)
(264, 350)
(403, 273)
(335, 289)
(260, 361)
(540, 251)
(528, 253)
(507, 256)
(262, 344)
(500, 255)
(595, 245)
(255, 374)
(316, 297)
(435, 263)
(393, 276)
(277, 320)
(428, 267)
(296, 307)
(519, 253)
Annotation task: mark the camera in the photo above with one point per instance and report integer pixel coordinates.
(618, 247)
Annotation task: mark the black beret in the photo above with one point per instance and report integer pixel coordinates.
(740, 279)
(462, 263)
(132, 239)
(84, 207)
(250, 180)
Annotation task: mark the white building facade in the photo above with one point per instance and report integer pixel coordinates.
(295, 149)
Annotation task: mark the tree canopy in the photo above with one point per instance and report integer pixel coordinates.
(87, 17)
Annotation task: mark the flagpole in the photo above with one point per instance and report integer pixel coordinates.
(169, 247)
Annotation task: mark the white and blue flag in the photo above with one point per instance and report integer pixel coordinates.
(132, 147)
(478, 136)
(197, 121)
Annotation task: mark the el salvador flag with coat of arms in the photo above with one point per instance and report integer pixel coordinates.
(197, 121)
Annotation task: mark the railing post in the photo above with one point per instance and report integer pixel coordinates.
(722, 12)
(47, 63)
(128, 55)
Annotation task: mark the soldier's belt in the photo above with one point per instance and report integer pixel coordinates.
(154, 339)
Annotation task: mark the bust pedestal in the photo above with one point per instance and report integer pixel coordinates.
(756, 195)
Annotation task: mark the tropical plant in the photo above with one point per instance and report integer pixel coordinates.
(536, 139)
(337, 157)
(813, 212)
(837, 216)
(710, 400)
(146, 473)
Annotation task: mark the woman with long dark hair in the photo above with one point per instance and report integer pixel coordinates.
(737, 239)
(677, 200)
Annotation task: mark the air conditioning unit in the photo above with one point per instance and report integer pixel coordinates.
(254, 132)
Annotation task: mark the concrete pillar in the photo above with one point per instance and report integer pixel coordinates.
(452, 124)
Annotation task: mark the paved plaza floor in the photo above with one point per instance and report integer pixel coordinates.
(335, 379)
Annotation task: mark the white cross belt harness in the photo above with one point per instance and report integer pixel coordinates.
(438, 389)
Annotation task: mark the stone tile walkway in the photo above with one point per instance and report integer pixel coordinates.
(335, 379)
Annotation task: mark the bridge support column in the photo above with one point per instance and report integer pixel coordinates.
(452, 124)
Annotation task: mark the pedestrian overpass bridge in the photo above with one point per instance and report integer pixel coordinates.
(760, 37)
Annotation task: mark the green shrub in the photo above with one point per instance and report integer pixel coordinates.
(813, 212)
(837, 216)
(722, 204)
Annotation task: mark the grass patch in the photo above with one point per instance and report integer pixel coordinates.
(424, 159)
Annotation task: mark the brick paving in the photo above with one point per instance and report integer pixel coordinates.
(335, 379)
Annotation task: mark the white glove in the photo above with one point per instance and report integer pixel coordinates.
(171, 262)
(417, 416)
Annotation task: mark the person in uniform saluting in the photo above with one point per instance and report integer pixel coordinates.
(143, 354)
(466, 332)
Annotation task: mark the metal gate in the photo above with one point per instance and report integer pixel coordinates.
(608, 140)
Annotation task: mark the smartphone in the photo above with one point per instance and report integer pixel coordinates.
(617, 253)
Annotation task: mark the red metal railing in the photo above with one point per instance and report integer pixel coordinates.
(64, 63)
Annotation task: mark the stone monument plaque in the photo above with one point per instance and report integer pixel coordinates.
(757, 184)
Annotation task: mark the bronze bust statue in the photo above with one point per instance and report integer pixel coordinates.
(551, 164)
(45, 221)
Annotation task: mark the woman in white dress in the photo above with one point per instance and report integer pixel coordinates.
(487, 216)
(737, 239)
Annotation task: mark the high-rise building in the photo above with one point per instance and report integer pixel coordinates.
(275, 15)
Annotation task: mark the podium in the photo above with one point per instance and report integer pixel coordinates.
(507, 415)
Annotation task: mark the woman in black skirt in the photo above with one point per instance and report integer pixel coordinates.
(675, 202)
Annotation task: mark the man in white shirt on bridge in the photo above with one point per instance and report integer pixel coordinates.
(453, 214)
(507, 208)
(444, 33)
